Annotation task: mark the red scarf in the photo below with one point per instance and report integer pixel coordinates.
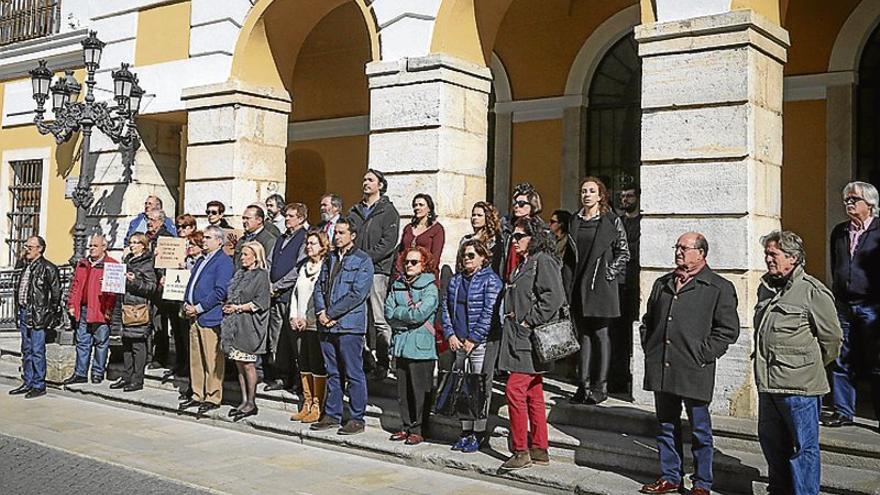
(683, 275)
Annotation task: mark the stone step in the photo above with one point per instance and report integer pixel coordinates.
(737, 469)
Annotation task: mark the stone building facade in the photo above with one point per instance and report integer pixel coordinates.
(735, 117)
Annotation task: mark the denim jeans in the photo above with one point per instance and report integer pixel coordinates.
(344, 350)
(33, 354)
(669, 443)
(788, 429)
(858, 351)
(90, 335)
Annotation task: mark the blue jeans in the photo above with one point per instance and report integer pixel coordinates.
(668, 407)
(858, 351)
(33, 353)
(788, 429)
(90, 335)
(344, 350)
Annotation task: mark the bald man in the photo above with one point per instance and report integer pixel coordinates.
(140, 222)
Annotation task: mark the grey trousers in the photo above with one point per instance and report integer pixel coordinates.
(379, 332)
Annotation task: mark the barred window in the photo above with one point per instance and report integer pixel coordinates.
(24, 216)
(22, 20)
(614, 117)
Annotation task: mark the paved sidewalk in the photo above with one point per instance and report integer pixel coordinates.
(218, 459)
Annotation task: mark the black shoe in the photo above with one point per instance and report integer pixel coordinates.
(246, 414)
(207, 407)
(131, 387)
(580, 396)
(168, 374)
(596, 398)
(276, 385)
(185, 396)
(74, 379)
(154, 365)
(97, 380)
(35, 392)
(837, 420)
(118, 384)
(232, 412)
(325, 423)
(352, 427)
(378, 374)
(22, 389)
(188, 404)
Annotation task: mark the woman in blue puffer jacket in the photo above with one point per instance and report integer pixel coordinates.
(469, 312)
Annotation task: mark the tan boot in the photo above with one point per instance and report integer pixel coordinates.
(307, 382)
(320, 388)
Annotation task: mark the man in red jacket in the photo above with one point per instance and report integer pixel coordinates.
(93, 310)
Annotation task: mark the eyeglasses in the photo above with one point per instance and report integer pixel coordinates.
(518, 236)
(212, 212)
(138, 242)
(553, 220)
(470, 255)
(181, 227)
(520, 204)
(681, 248)
(851, 200)
(31, 247)
(413, 262)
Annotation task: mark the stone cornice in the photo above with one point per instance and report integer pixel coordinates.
(61, 51)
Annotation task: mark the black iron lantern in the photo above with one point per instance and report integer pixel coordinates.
(92, 49)
(41, 78)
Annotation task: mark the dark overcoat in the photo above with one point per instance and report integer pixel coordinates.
(685, 332)
(532, 298)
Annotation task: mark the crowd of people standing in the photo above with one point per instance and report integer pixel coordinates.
(324, 310)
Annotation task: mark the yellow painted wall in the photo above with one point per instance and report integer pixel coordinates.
(60, 212)
(813, 26)
(329, 79)
(326, 165)
(538, 50)
(163, 33)
(803, 179)
(537, 158)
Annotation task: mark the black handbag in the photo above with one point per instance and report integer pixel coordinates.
(461, 394)
(555, 340)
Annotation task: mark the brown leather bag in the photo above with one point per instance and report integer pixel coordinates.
(135, 315)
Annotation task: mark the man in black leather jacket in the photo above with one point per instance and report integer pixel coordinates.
(39, 303)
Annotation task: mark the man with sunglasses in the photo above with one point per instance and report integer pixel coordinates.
(140, 222)
(855, 272)
(39, 298)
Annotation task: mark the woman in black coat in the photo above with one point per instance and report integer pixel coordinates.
(140, 283)
(533, 297)
(596, 255)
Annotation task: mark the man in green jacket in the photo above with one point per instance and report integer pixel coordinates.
(797, 334)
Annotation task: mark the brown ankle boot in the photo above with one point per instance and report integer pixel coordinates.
(318, 391)
(305, 409)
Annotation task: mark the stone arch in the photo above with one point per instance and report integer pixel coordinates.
(850, 41)
(591, 53)
(255, 61)
(466, 29)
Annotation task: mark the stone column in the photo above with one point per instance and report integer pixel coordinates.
(711, 162)
(428, 132)
(236, 149)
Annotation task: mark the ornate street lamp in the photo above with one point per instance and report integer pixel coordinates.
(71, 115)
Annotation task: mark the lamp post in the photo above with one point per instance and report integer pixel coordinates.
(116, 121)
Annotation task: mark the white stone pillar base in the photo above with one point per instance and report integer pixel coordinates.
(236, 149)
(711, 162)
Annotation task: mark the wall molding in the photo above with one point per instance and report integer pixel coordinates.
(815, 86)
(551, 108)
(328, 128)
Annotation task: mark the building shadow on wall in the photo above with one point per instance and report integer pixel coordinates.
(306, 180)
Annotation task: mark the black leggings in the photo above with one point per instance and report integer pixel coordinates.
(415, 380)
(595, 357)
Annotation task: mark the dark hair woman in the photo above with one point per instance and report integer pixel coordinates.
(559, 226)
(468, 316)
(596, 256)
(140, 284)
(424, 231)
(303, 320)
(486, 223)
(410, 309)
(246, 322)
(533, 297)
(526, 203)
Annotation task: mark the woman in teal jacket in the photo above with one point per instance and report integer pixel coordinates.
(410, 309)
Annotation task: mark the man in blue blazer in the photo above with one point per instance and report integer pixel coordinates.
(340, 299)
(203, 303)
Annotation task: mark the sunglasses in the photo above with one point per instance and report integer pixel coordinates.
(518, 236)
(412, 262)
(470, 256)
(520, 204)
(851, 200)
(212, 212)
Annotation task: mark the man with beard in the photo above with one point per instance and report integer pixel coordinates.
(331, 208)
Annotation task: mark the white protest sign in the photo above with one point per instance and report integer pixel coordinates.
(114, 278)
(175, 285)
